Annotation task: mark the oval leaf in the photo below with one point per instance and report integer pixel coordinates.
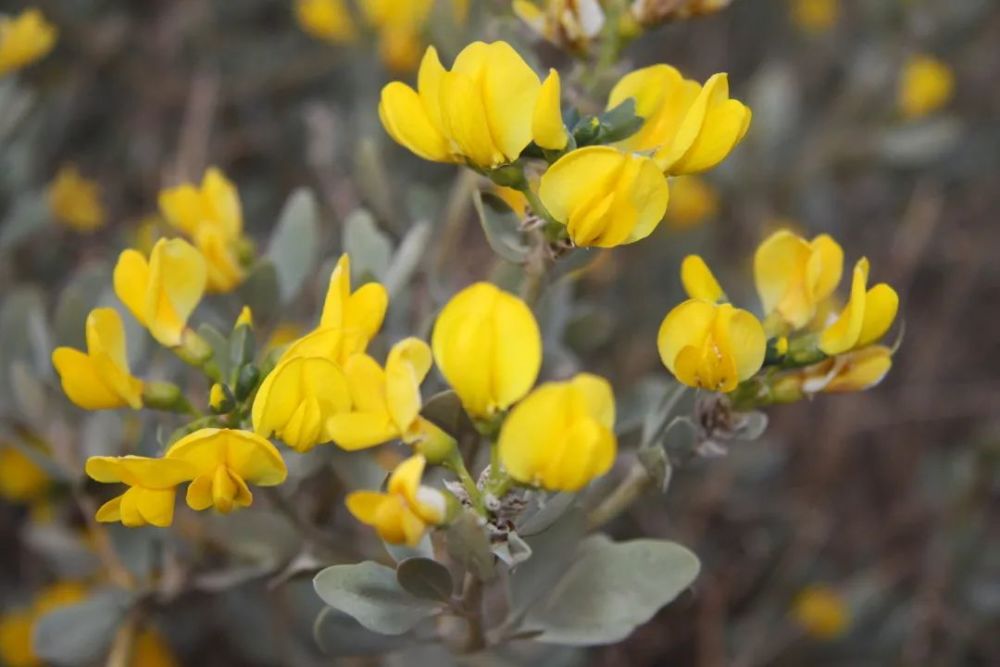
(340, 636)
(369, 247)
(370, 593)
(294, 245)
(502, 227)
(610, 588)
(79, 634)
(425, 578)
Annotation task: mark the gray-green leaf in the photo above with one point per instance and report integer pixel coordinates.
(79, 634)
(370, 593)
(338, 635)
(425, 578)
(501, 226)
(369, 247)
(294, 245)
(610, 588)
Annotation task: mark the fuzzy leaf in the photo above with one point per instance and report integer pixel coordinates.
(425, 578)
(501, 226)
(294, 245)
(79, 634)
(370, 593)
(369, 247)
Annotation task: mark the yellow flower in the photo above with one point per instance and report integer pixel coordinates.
(604, 197)
(225, 461)
(692, 201)
(815, 15)
(925, 86)
(297, 399)
(711, 346)
(17, 627)
(570, 24)
(795, 276)
(857, 370)
(821, 612)
(689, 127)
(865, 319)
(151, 650)
(99, 379)
(210, 216)
(349, 320)
(560, 436)
(480, 112)
(325, 19)
(152, 486)
(76, 201)
(245, 318)
(547, 126)
(403, 514)
(21, 479)
(487, 345)
(163, 292)
(513, 198)
(399, 26)
(385, 403)
(698, 280)
(24, 39)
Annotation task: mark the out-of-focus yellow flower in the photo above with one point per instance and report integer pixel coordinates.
(386, 403)
(821, 612)
(815, 16)
(283, 334)
(225, 461)
(698, 280)
(163, 292)
(211, 216)
(654, 12)
(24, 39)
(711, 346)
(925, 86)
(17, 627)
(604, 196)
(480, 112)
(147, 231)
(399, 26)
(16, 649)
(794, 276)
(21, 479)
(328, 20)
(349, 320)
(75, 201)
(151, 650)
(561, 436)
(570, 24)
(402, 514)
(867, 316)
(487, 345)
(99, 379)
(152, 486)
(297, 400)
(692, 202)
(689, 127)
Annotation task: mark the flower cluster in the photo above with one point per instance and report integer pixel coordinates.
(803, 344)
(24, 39)
(605, 177)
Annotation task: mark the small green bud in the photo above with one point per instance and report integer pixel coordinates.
(163, 396)
(510, 176)
(246, 381)
(436, 446)
(194, 349)
(241, 345)
(221, 399)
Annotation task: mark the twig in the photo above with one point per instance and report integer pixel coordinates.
(636, 481)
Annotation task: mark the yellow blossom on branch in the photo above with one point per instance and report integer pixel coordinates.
(868, 315)
(75, 201)
(568, 23)
(821, 612)
(560, 436)
(402, 514)
(689, 127)
(152, 488)
(604, 196)
(326, 19)
(225, 461)
(24, 39)
(711, 346)
(794, 277)
(487, 345)
(99, 379)
(211, 216)
(297, 400)
(699, 281)
(481, 112)
(692, 202)
(163, 291)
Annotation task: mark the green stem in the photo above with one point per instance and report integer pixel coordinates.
(457, 465)
(630, 488)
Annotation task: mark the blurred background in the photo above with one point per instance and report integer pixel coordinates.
(860, 530)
